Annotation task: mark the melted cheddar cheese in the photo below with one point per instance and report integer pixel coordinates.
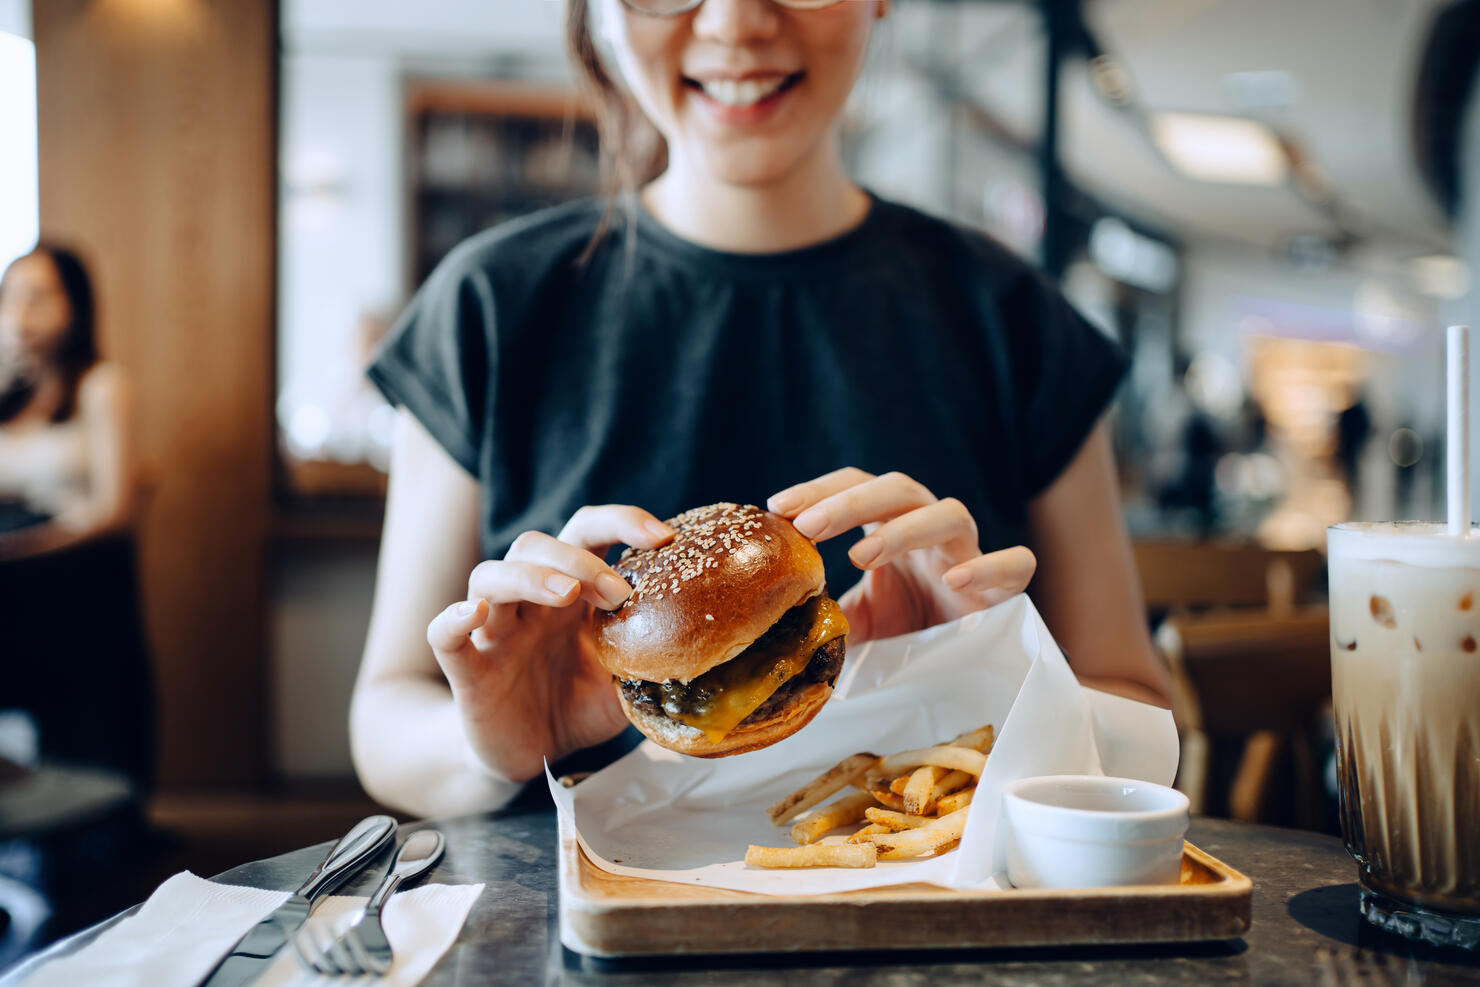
(717, 701)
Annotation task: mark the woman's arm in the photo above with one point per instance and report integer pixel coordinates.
(105, 408)
(406, 734)
(1087, 587)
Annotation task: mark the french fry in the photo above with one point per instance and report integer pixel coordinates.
(915, 803)
(913, 842)
(818, 855)
(811, 827)
(953, 781)
(815, 791)
(980, 739)
(917, 789)
(910, 843)
(887, 799)
(955, 801)
(945, 756)
(895, 822)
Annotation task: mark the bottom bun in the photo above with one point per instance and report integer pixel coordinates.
(681, 737)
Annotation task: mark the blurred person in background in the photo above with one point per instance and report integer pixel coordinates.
(744, 322)
(66, 466)
(71, 632)
(1353, 429)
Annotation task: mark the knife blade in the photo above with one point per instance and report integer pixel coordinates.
(249, 958)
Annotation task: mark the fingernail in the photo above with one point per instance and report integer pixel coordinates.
(957, 578)
(560, 585)
(658, 530)
(466, 608)
(785, 501)
(811, 522)
(613, 589)
(866, 551)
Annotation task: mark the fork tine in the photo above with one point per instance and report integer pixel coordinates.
(339, 954)
(324, 961)
(303, 949)
(306, 946)
(366, 962)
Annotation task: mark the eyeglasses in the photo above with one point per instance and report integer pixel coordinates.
(672, 8)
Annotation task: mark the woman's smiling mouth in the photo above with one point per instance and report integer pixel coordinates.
(754, 92)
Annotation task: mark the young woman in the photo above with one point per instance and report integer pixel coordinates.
(754, 327)
(66, 464)
(66, 502)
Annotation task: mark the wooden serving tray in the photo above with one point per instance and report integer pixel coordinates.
(610, 915)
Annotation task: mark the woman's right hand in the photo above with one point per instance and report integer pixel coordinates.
(518, 652)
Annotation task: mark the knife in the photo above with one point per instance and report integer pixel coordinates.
(251, 955)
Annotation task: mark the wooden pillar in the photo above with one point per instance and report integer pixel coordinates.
(157, 123)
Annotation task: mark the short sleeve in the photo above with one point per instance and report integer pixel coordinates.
(1066, 372)
(437, 362)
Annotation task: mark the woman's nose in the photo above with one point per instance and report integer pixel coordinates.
(734, 22)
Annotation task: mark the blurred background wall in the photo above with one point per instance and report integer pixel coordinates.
(157, 136)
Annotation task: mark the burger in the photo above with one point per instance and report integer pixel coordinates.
(728, 642)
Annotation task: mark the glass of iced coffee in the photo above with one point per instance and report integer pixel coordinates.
(1405, 666)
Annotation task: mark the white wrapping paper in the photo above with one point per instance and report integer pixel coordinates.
(663, 816)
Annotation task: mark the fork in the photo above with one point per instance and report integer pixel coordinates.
(362, 947)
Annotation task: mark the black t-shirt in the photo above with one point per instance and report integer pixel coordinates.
(667, 375)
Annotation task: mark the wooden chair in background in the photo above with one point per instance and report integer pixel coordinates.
(1250, 661)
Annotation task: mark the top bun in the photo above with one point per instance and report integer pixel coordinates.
(729, 573)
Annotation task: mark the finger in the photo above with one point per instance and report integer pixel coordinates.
(448, 632)
(501, 581)
(793, 500)
(600, 584)
(598, 528)
(879, 499)
(946, 525)
(1000, 575)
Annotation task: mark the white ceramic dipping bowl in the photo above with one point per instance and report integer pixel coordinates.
(1088, 831)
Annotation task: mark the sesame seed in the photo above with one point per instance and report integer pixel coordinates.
(703, 537)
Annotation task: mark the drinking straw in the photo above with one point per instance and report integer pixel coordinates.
(1459, 431)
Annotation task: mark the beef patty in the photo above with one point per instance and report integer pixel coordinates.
(824, 666)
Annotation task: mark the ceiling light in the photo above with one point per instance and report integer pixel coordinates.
(1232, 150)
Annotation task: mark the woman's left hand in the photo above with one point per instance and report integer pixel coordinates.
(919, 554)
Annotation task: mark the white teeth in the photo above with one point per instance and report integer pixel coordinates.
(741, 92)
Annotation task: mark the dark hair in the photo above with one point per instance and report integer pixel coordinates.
(1445, 89)
(633, 153)
(79, 347)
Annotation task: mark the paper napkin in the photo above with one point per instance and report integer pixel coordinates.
(189, 923)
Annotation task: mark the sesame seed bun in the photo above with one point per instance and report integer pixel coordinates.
(730, 572)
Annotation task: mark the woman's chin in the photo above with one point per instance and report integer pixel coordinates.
(750, 167)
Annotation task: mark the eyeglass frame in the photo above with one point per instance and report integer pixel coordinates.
(687, 5)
